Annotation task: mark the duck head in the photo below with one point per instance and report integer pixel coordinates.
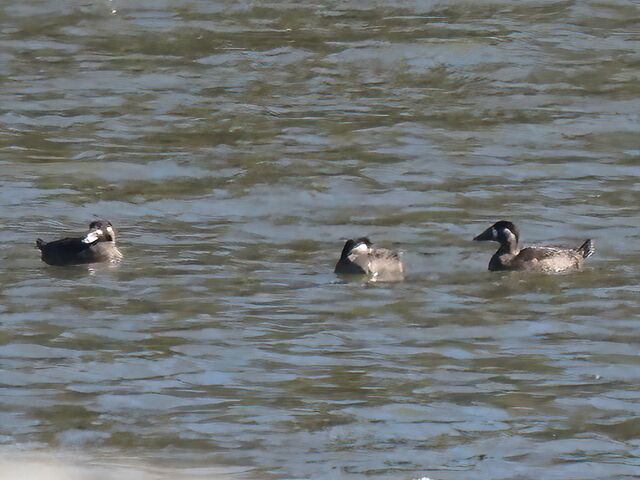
(503, 232)
(100, 231)
(361, 245)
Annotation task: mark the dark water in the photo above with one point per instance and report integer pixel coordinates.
(235, 146)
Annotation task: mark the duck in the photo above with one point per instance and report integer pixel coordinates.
(97, 245)
(358, 257)
(536, 258)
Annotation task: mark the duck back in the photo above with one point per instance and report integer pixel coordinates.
(65, 251)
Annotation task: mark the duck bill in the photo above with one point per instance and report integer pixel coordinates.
(488, 234)
(92, 236)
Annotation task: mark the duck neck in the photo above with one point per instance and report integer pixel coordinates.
(509, 247)
(502, 258)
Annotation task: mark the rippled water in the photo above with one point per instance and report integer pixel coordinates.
(235, 146)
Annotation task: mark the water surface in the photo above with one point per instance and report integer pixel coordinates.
(236, 146)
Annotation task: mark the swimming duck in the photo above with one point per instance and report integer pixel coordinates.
(543, 259)
(98, 245)
(359, 258)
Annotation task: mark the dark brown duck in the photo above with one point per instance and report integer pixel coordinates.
(98, 245)
(543, 259)
(360, 258)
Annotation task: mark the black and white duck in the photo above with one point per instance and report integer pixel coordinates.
(97, 245)
(358, 257)
(535, 258)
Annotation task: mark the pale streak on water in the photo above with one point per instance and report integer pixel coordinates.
(236, 145)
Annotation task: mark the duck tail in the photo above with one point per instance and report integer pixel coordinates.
(40, 243)
(587, 249)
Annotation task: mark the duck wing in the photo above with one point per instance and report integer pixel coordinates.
(380, 263)
(68, 246)
(530, 254)
(382, 260)
(549, 259)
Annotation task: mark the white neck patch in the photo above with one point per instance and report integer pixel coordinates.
(511, 237)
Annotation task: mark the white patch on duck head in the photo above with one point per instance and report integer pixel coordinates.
(509, 235)
(360, 248)
(494, 234)
(92, 236)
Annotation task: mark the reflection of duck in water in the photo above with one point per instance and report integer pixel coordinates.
(542, 259)
(359, 258)
(98, 245)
